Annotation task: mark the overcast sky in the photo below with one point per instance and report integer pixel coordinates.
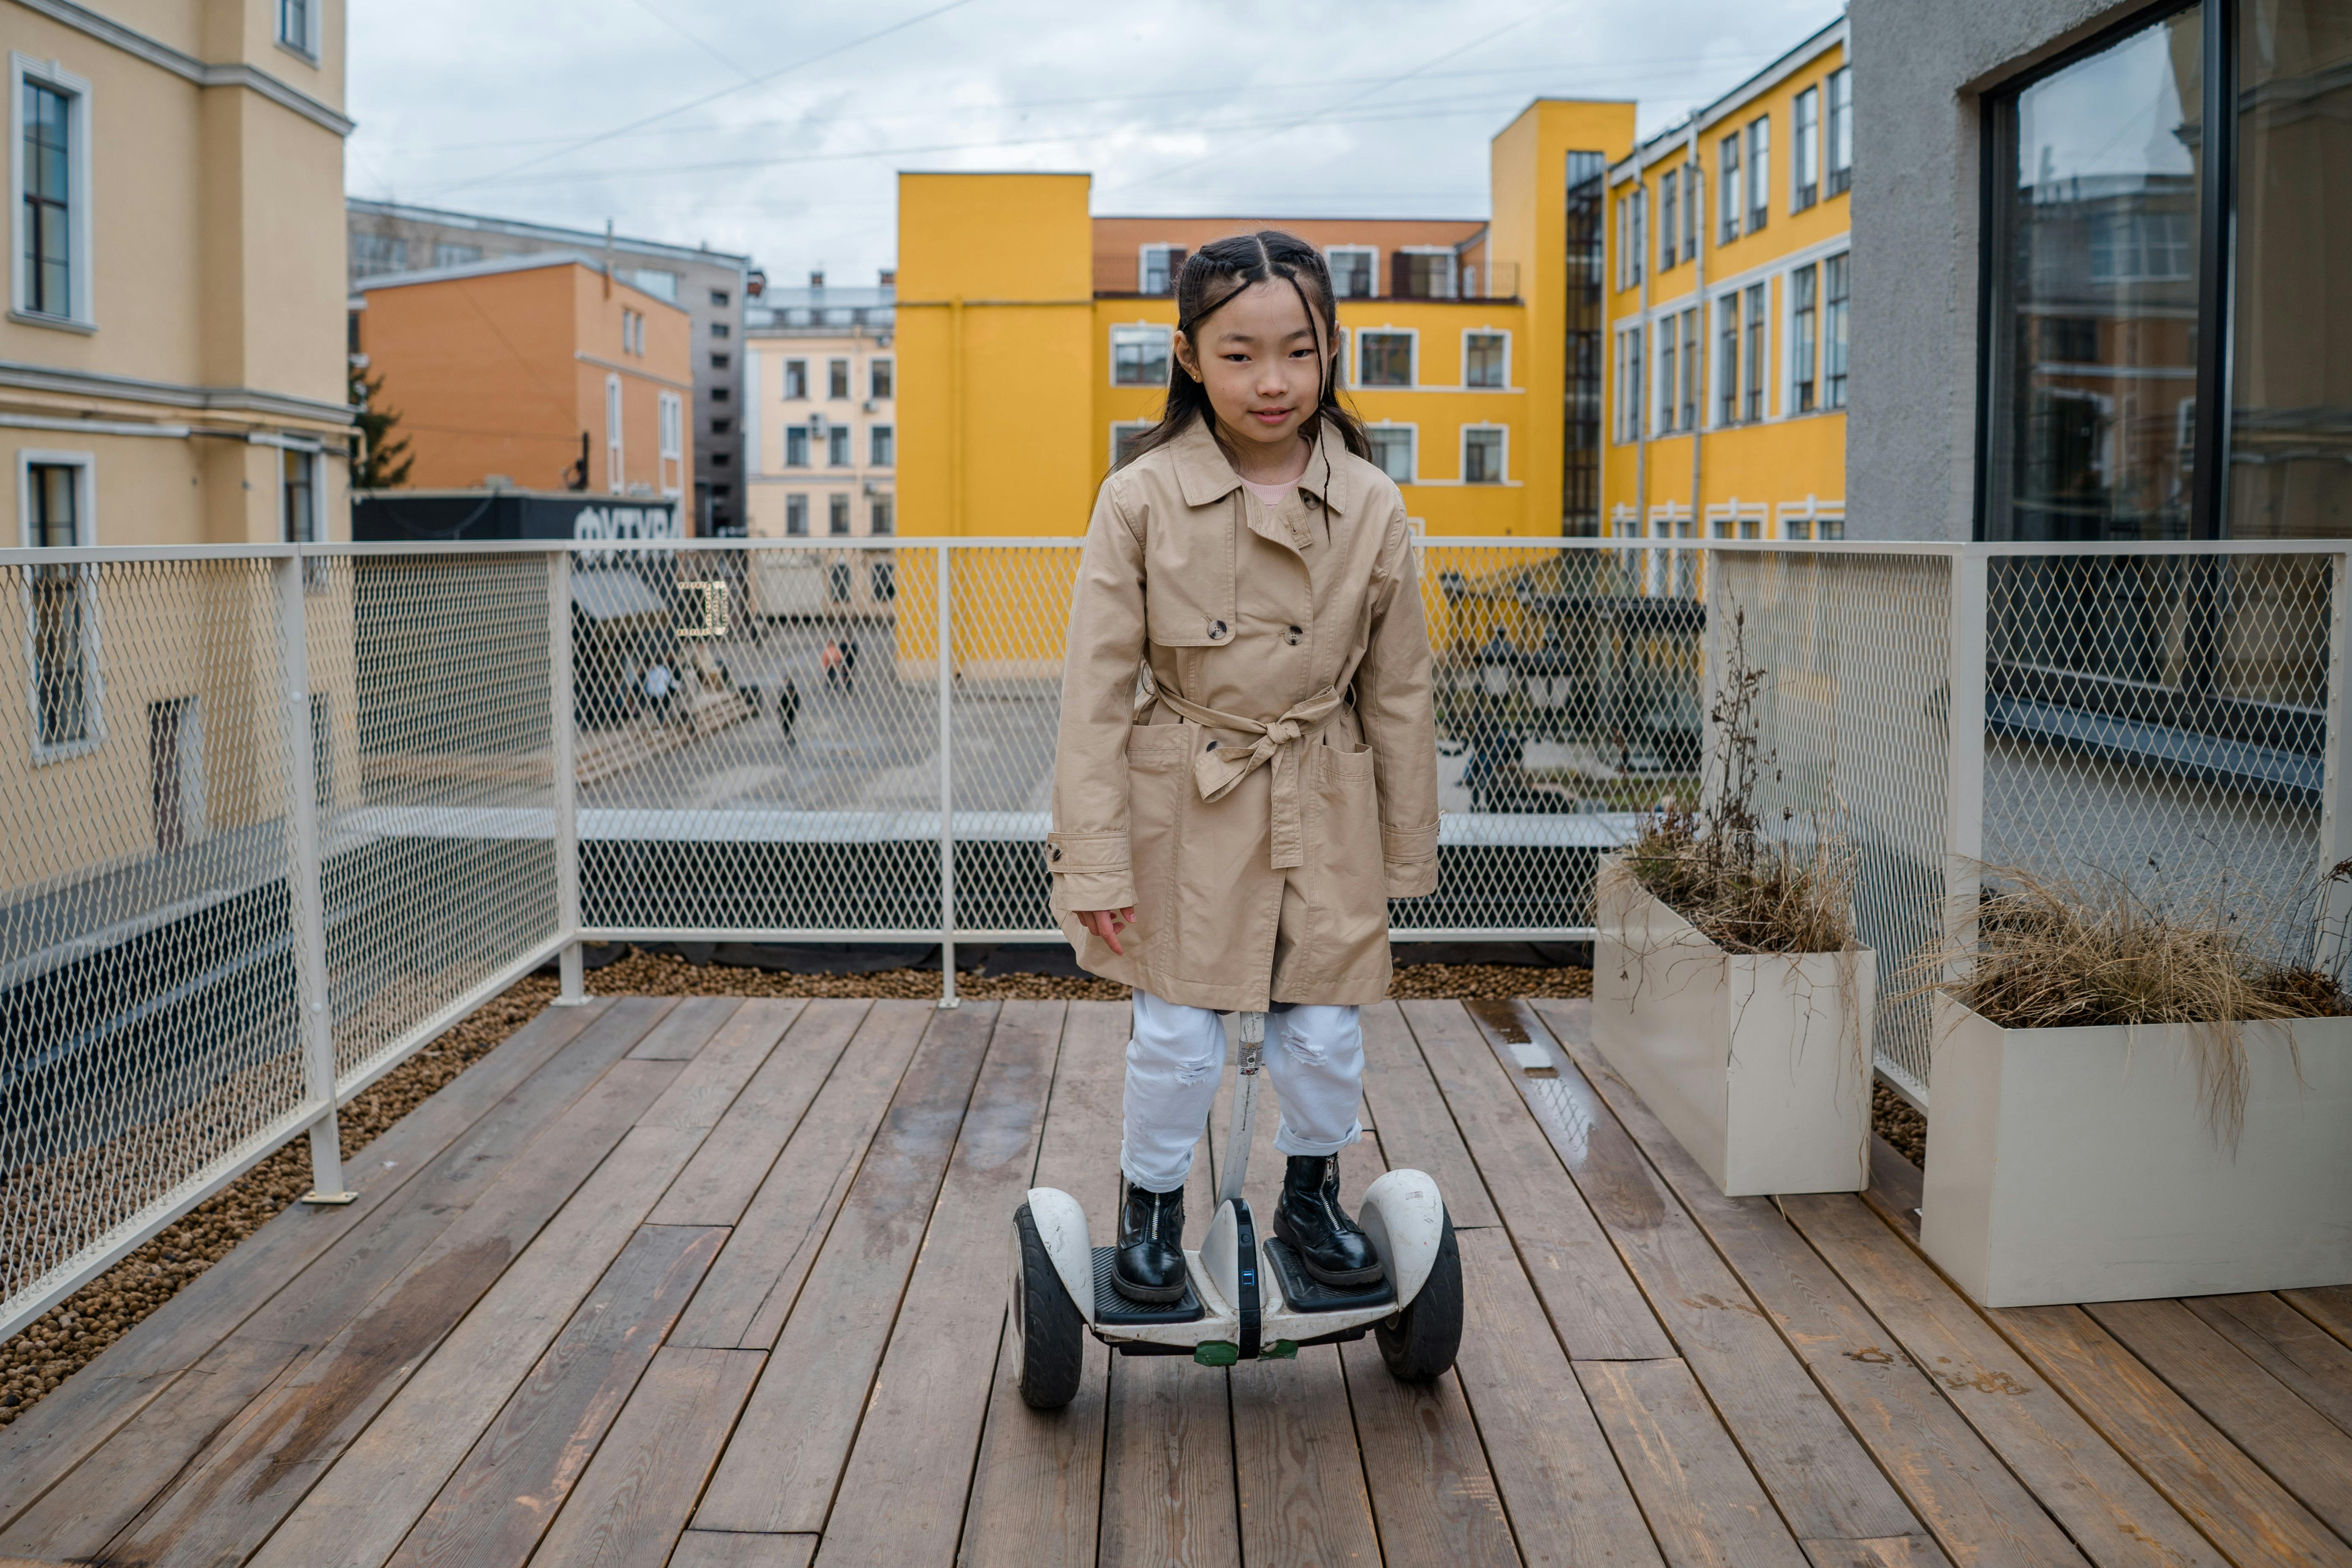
(777, 129)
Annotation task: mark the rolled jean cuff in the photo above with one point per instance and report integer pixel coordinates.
(1285, 1142)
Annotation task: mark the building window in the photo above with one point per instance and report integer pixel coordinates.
(1670, 216)
(836, 447)
(1751, 396)
(1667, 361)
(613, 469)
(1804, 325)
(1485, 359)
(632, 332)
(1582, 325)
(720, 393)
(56, 501)
(719, 299)
(839, 579)
(1482, 455)
(1637, 248)
(1805, 151)
(877, 380)
(1124, 435)
(1841, 130)
(53, 241)
(796, 517)
(1694, 368)
(1156, 267)
(1139, 356)
(881, 443)
(1833, 305)
(1383, 359)
(1694, 210)
(1726, 360)
(298, 21)
(721, 426)
(836, 518)
(796, 446)
(795, 380)
(881, 518)
(1624, 279)
(882, 574)
(719, 362)
(836, 378)
(1632, 404)
(1727, 187)
(373, 255)
(1392, 450)
(1355, 271)
(672, 448)
(1760, 172)
(298, 496)
(448, 255)
(1423, 274)
(718, 329)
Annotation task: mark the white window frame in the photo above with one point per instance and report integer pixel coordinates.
(1758, 195)
(1452, 270)
(1412, 447)
(889, 364)
(309, 459)
(838, 507)
(803, 532)
(1831, 123)
(24, 67)
(1668, 388)
(1722, 377)
(615, 453)
(844, 436)
(85, 535)
(307, 46)
(1118, 425)
(880, 432)
(1332, 254)
(672, 475)
(1730, 187)
(1461, 454)
(1502, 332)
(1669, 223)
(1637, 246)
(785, 382)
(1167, 335)
(1412, 359)
(1799, 142)
(1143, 254)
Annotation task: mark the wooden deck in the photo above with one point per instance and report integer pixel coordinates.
(721, 1284)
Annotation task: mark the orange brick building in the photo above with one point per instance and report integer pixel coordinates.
(535, 371)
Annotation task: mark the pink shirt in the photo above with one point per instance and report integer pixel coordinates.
(1273, 495)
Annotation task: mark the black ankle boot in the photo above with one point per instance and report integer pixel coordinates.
(1150, 1262)
(1334, 1251)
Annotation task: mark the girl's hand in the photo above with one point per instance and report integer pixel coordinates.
(1106, 924)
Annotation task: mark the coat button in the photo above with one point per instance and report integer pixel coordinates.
(1295, 633)
(1058, 852)
(1216, 629)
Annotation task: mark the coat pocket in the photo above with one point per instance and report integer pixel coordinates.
(1350, 889)
(1188, 588)
(1159, 770)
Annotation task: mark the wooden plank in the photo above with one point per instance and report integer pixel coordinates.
(1036, 1490)
(780, 1470)
(1300, 1479)
(1896, 1187)
(2105, 1506)
(1898, 1552)
(40, 1449)
(506, 1490)
(717, 1548)
(1433, 1491)
(745, 1297)
(1418, 1133)
(1168, 1463)
(902, 1497)
(718, 1183)
(1559, 1483)
(2303, 1450)
(718, 1071)
(688, 1027)
(2287, 1345)
(635, 1498)
(2329, 1306)
(1596, 1308)
(2225, 1494)
(382, 1299)
(1702, 1501)
(1898, 1425)
(360, 1507)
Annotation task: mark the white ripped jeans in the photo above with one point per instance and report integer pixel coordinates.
(1177, 1055)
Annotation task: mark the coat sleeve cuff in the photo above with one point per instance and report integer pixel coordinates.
(1090, 871)
(1410, 860)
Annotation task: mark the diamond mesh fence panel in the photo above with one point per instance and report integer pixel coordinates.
(149, 1027)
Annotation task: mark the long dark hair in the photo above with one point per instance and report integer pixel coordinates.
(1210, 278)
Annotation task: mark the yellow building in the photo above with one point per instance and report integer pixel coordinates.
(1032, 337)
(1730, 276)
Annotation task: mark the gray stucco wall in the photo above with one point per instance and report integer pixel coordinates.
(1919, 66)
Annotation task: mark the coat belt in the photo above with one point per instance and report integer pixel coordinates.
(1218, 769)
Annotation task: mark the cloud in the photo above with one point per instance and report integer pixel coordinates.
(1180, 106)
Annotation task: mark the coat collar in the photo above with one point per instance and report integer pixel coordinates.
(1206, 476)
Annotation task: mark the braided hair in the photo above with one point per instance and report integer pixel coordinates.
(1211, 276)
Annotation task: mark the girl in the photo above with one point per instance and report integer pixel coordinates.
(1247, 766)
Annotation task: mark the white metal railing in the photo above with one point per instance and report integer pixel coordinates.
(274, 816)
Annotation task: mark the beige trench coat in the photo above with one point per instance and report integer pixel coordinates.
(1272, 783)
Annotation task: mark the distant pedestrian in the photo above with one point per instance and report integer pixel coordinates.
(788, 707)
(837, 666)
(848, 664)
(659, 683)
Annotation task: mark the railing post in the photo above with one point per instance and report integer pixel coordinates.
(947, 783)
(562, 726)
(2334, 911)
(305, 885)
(1963, 741)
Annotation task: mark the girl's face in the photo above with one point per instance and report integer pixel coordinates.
(1261, 361)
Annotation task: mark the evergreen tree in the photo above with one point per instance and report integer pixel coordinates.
(382, 462)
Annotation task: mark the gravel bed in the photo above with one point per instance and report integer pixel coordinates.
(1892, 1118)
(73, 1332)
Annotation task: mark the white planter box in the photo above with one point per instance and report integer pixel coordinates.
(2078, 1164)
(1757, 1064)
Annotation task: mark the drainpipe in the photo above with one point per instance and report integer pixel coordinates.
(608, 258)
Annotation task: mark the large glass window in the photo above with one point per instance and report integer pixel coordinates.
(1841, 130)
(1587, 175)
(1728, 187)
(1760, 172)
(1804, 325)
(1391, 451)
(1805, 150)
(62, 677)
(1835, 273)
(1353, 274)
(1693, 368)
(1751, 395)
(1383, 359)
(1666, 376)
(1485, 358)
(2169, 246)
(1482, 456)
(49, 212)
(1139, 356)
(1670, 216)
(1726, 360)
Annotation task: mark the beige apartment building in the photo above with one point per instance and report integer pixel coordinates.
(821, 439)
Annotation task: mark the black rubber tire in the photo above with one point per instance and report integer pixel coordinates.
(1421, 1342)
(1052, 1337)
